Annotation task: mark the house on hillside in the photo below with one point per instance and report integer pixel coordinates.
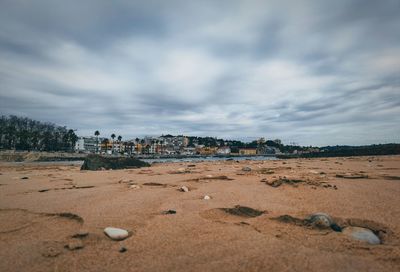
(206, 151)
(247, 151)
(224, 150)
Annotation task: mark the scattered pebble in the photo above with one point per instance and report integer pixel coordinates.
(170, 212)
(321, 220)
(206, 197)
(116, 233)
(246, 169)
(80, 234)
(74, 244)
(25, 178)
(184, 189)
(362, 234)
(134, 186)
(209, 176)
(122, 249)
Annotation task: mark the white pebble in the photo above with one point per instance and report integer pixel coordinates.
(116, 233)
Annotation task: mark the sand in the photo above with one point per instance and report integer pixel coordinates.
(59, 205)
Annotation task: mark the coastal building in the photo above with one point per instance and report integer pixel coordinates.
(206, 151)
(129, 147)
(88, 144)
(247, 151)
(189, 151)
(106, 147)
(224, 150)
(176, 141)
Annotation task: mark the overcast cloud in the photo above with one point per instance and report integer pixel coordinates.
(310, 72)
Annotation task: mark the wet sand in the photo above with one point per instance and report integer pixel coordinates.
(40, 215)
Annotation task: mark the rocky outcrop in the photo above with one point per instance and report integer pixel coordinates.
(96, 162)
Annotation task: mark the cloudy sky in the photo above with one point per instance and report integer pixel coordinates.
(310, 72)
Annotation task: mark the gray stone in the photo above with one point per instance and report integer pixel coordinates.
(80, 234)
(246, 169)
(321, 220)
(74, 244)
(362, 234)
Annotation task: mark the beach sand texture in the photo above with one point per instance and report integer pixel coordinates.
(52, 217)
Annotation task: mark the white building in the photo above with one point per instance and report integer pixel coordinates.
(88, 144)
(224, 150)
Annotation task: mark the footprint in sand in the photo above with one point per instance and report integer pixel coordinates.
(32, 236)
(367, 231)
(231, 215)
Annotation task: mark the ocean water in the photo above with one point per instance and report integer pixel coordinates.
(155, 160)
(206, 159)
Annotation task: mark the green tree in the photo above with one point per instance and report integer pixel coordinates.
(72, 138)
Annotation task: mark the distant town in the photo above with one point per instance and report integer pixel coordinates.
(25, 134)
(176, 145)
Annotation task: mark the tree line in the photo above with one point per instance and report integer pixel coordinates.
(21, 133)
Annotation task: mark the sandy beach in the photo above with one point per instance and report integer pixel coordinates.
(52, 217)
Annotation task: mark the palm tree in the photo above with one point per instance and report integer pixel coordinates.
(97, 133)
(112, 145)
(119, 140)
(137, 144)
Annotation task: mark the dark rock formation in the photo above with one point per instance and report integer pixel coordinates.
(96, 162)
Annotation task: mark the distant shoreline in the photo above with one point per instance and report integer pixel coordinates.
(37, 156)
(26, 156)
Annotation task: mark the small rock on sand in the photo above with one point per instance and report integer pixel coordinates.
(116, 233)
(25, 178)
(206, 197)
(321, 220)
(184, 189)
(169, 212)
(81, 234)
(362, 234)
(246, 169)
(74, 244)
(209, 176)
(134, 186)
